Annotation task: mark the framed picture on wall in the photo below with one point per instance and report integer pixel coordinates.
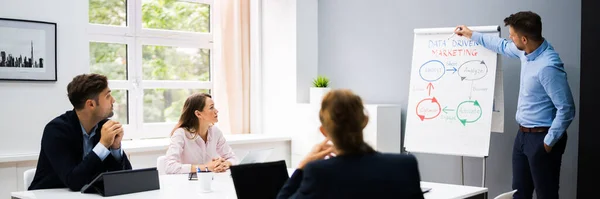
(27, 50)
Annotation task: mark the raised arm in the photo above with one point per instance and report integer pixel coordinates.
(499, 45)
(302, 184)
(118, 159)
(70, 170)
(114, 164)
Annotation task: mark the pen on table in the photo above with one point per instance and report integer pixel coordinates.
(198, 170)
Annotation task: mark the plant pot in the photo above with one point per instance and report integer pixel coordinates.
(317, 94)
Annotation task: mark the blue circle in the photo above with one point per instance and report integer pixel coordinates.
(443, 69)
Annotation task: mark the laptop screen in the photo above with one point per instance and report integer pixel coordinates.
(259, 180)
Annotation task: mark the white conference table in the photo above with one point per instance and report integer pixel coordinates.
(178, 186)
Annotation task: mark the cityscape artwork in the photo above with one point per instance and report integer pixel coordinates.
(27, 50)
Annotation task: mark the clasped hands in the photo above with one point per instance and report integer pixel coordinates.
(111, 134)
(218, 165)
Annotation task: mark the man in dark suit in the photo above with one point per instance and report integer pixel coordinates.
(372, 175)
(81, 143)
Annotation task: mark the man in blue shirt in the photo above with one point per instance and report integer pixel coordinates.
(545, 107)
(81, 143)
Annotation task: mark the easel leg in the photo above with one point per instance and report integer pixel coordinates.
(483, 174)
(462, 170)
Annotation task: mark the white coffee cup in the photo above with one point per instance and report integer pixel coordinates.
(205, 181)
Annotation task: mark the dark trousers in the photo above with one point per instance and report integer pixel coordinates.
(534, 168)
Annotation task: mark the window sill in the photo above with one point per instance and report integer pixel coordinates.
(148, 145)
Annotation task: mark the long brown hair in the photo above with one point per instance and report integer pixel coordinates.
(343, 116)
(188, 119)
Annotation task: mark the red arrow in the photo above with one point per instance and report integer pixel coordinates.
(422, 116)
(429, 87)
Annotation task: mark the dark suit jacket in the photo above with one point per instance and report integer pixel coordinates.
(61, 163)
(374, 175)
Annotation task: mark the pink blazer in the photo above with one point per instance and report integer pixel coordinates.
(183, 151)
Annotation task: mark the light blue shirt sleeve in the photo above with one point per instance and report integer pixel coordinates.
(499, 45)
(101, 151)
(554, 81)
(117, 153)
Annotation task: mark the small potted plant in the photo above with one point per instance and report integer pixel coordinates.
(319, 89)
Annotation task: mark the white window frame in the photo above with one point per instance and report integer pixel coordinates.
(135, 36)
(256, 111)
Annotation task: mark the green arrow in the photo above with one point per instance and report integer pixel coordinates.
(446, 109)
(464, 121)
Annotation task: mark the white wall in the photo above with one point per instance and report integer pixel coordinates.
(278, 62)
(364, 45)
(367, 46)
(26, 107)
(289, 60)
(307, 54)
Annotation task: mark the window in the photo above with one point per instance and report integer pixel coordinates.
(155, 53)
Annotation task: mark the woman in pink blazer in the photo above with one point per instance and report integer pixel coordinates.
(195, 142)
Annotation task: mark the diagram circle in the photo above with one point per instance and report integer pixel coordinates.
(474, 69)
(433, 101)
(429, 66)
(475, 104)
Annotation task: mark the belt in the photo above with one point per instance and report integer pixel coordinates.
(534, 129)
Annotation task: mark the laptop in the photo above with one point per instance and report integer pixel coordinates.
(256, 156)
(259, 180)
(112, 183)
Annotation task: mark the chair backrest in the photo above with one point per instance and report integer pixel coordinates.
(259, 180)
(28, 177)
(507, 195)
(161, 165)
